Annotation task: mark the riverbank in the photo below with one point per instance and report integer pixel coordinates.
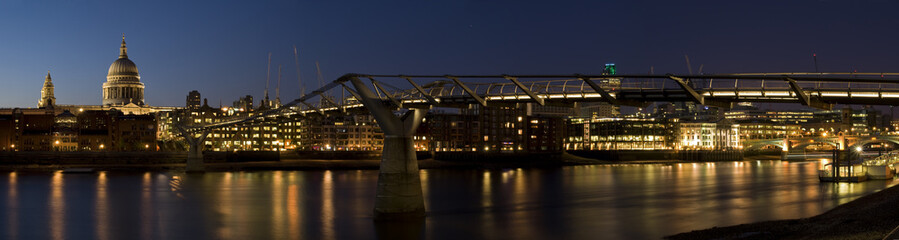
(869, 217)
(318, 164)
(305, 164)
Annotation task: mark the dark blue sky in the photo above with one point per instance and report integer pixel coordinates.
(220, 47)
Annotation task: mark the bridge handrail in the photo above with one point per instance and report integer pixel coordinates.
(550, 86)
(887, 159)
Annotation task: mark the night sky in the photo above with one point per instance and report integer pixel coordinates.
(220, 47)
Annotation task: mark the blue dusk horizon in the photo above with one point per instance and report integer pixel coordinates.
(221, 48)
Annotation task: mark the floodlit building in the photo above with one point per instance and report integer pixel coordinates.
(47, 98)
(829, 122)
(721, 135)
(761, 129)
(620, 134)
(233, 138)
(123, 86)
(746, 112)
(65, 132)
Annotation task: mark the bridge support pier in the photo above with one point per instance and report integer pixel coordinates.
(195, 147)
(398, 195)
(785, 150)
(195, 156)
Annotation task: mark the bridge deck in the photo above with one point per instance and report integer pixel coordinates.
(816, 90)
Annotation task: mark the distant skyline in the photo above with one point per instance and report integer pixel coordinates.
(221, 48)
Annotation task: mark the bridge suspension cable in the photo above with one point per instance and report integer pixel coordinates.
(722, 90)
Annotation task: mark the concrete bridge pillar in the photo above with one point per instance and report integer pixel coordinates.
(399, 192)
(195, 145)
(786, 144)
(195, 155)
(841, 141)
(785, 150)
(398, 195)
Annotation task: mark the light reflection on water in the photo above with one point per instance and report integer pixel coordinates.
(293, 210)
(101, 211)
(146, 206)
(57, 207)
(327, 216)
(582, 202)
(12, 207)
(277, 209)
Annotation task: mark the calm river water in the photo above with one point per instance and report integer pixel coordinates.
(580, 202)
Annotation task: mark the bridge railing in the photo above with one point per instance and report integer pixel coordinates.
(337, 95)
(888, 159)
(491, 86)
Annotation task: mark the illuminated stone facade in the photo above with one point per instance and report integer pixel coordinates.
(123, 86)
(721, 135)
(47, 98)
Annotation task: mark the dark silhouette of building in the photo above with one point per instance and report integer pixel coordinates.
(111, 130)
(245, 103)
(505, 129)
(193, 100)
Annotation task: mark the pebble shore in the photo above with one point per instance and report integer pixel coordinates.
(869, 217)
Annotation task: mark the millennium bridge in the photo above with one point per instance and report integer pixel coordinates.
(399, 110)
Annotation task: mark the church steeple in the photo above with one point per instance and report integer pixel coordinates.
(123, 51)
(47, 98)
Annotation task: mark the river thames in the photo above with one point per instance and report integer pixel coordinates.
(634, 201)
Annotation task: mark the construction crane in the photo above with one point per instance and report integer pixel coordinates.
(296, 60)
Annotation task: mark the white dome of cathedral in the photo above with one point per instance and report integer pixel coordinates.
(123, 68)
(123, 84)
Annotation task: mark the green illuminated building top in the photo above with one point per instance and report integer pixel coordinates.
(609, 69)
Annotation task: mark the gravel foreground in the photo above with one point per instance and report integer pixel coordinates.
(869, 217)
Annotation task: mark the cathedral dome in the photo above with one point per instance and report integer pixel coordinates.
(123, 86)
(123, 68)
